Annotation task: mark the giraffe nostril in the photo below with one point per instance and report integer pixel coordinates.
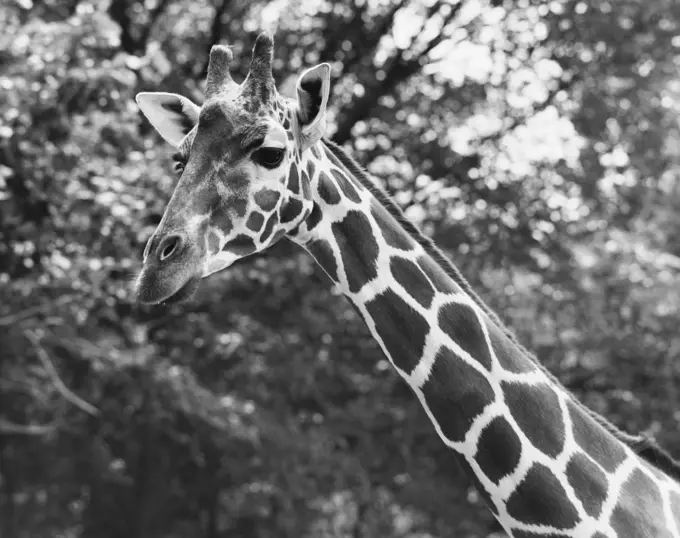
(168, 247)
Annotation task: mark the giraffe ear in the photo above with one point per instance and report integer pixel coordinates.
(172, 115)
(313, 88)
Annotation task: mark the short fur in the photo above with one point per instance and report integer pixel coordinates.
(643, 445)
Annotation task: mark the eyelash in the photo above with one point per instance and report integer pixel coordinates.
(268, 157)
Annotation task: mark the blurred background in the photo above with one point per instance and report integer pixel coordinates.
(537, 142)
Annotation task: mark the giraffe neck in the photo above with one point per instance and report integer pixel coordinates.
(544, 466)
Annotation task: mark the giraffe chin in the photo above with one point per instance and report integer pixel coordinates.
(149, 295)
(184, 293)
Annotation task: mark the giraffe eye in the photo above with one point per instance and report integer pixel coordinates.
(179, 167)
(268, 157)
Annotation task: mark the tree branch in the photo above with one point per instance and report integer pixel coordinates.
(153, 17)
(10, 428)
(397, 70)
(58, 383)
(10, 319)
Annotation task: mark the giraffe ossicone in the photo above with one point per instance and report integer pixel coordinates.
(255, 168)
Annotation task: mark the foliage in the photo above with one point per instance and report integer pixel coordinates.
(536, 142)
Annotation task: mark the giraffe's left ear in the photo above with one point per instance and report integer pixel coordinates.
(172, 115)
(313, 88)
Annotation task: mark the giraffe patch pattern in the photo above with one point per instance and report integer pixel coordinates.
(410, 277)
(455, 410)
(294, 180)
(241, 245)
(255, 221)
(540, 499)
(361, 255)
(327, 190)
(461, 324)
(240, 205)
(322, 252)
(498, 450)
(485, 395)
(637, 500)
(510, 356)
(400, 327)
(268, 228)
(529, 398)
(437, 276)
(291, 210)
(391, 231)
(588, 435)
(314, 217)
(537, 411)
(346, 186)
(267, 199)
(589, 482)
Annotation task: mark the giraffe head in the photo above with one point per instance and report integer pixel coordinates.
(242, 186)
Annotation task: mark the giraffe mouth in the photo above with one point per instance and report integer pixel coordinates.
(184, 293)
(149, 294)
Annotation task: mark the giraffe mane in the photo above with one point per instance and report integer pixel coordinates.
(644, 445)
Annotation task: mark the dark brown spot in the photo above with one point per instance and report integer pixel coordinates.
(310, 169)
(346, 186)
(402, 329)
(499, 449)
(394, 235)
(440, 280)
(357, 184)
(222, 221)
(314, 217)
(267, 199)
(291, 210)
(358, 248)
(255, 221)
(327, 190)
(537, 411)
(323, 254)
(510, 357)
(540, 499)
(638, 509)
(412, 279)
(594, 440)
(455, 392)
(294, 180)
(315, 151)
(239, 205)
(460, 322)
(589, 482)
(241, 245)
(306, 187)
(277, 235)
(271, 221)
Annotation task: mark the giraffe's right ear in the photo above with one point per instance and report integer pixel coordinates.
(172, 115)
(313, 88)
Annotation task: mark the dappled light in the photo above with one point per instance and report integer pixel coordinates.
(537, 143)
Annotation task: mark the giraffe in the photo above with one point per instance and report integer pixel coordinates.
(255, 167)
